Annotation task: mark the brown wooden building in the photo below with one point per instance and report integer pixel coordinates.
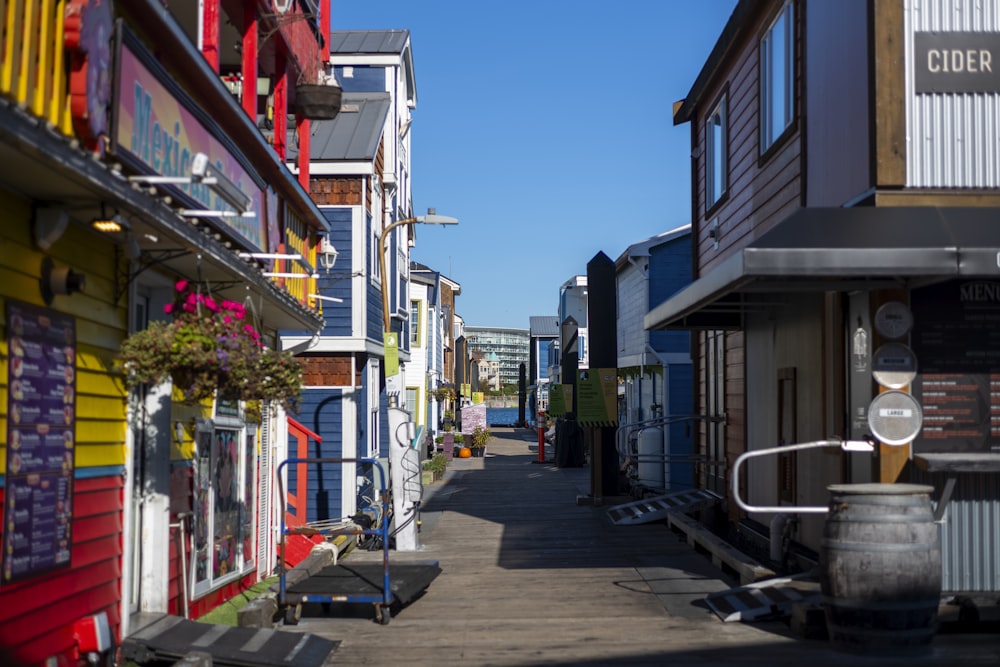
(844, 157)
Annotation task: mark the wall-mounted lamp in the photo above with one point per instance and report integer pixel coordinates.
(205, 173)
(110, 224)
(59, 280)
(327, 254)
(48, 225)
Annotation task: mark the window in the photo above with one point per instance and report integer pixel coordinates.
(716, 168)
(414, 323)
(777, 77)
(224, 504)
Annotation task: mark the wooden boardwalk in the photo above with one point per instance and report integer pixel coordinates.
(531, 577)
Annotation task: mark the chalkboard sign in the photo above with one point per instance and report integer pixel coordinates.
(954, 338)
(41, 409)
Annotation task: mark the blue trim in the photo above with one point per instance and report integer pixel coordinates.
(85, 473)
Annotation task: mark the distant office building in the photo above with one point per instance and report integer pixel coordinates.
(509, 345)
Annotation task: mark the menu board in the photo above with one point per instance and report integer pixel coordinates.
(956, 340)
(41, 415)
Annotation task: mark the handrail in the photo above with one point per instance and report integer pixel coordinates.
(846, 445)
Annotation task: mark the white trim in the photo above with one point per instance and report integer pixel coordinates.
(337, 168)
(351, 60)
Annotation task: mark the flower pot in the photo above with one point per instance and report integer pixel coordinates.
(478, 452)
(318, 102)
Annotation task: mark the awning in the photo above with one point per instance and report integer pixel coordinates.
(46, 167)
(840, 249)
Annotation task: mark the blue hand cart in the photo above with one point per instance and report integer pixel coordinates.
(336, 583)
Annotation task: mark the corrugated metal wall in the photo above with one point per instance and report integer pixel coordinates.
(953, 139)
(970, 533)
(954, 142)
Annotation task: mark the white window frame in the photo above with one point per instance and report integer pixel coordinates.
(717, 153)
(205, 506)
(415, 323)
(777, 77)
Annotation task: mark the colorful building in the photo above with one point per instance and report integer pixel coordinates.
(135, 170)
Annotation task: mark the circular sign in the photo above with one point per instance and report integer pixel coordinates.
(893, 319)
(895, 417)
(894, 365)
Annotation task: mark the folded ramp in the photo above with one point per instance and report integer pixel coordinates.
(768, 599)
(170, 638)
(656, 508)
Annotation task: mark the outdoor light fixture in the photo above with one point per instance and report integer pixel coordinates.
(59, 280)
(48, 225)
(432, 218)
(327, 254)
(203, 172)
(109, 225)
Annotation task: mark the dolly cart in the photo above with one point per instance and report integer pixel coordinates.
(344, 586)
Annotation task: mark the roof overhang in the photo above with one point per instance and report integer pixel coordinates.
(52, 168)
(838, 249)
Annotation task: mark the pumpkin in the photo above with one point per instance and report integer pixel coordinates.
(464, 453)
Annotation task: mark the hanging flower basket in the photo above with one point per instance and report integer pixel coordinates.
(210, 347)
(318, 102)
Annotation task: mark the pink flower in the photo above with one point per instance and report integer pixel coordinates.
(169, 308)
(210, 304)
(181, 285)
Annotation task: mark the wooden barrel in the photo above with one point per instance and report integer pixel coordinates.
(880, 568)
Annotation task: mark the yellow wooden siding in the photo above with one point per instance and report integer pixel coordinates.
(100, 327)
(298, 239)
(33, 60)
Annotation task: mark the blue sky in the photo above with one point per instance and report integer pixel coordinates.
(545, 127)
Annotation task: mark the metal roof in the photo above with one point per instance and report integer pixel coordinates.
(543, 325)
(353, 135)
(642, 248)
(368, 41)
(820, 249)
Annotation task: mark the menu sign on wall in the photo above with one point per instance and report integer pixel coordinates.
(956, 336)
(41, 409)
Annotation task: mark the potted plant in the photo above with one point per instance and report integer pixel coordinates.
(480, 436)
(210, 347)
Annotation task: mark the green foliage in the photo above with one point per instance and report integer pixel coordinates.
(480, 436)
(438, 463)
(210, 346)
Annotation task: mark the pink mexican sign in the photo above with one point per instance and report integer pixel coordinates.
(156, 128)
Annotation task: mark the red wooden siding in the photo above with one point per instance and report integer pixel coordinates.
(37, 615)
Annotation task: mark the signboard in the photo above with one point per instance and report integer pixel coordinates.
(158, 130)
(393, 380)
(557, 400)
(958, 387)
(473, 416)
(956, 62)
(41, 409)
(597, 390)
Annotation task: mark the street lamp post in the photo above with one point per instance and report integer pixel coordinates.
(432, 218)
(403, 458)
